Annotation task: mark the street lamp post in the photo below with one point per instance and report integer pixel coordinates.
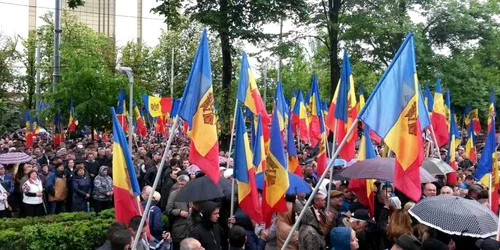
(128, 72)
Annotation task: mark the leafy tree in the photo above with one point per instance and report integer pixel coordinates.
(145, 66)
(10, 118)
(7, 60)
(26, 83)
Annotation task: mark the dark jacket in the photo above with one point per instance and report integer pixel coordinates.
(253, 241)
(81, 187)
(105, 246)
(155, 222)
(208, 232)
(167, 183)
(179, 224)
(92, 168)
(8, 183)
(310, 237)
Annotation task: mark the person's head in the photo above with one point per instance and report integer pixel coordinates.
(347, 194)
(319, 201)
(422, 232)
(446, 190)
(359, 220)
(336, 198)
(71, 163)
(182, 180)
(185, 163)
(429, 189)
(101, 151)
(487, 244)
(308, 170)
(157, 156)
(146, 192)
(210, 212)
(408, 205)
(27, 168)
(469, 180)
(80, 171)
(2, 169)
(33, 174)
(59, 167)
(407, 242)
(343, 238)
(474, 191)
(90, 156)
(190, 244)
(399, 224)
(133, 225)
(237, 237)
(122, 239)
(104, 171)
(175, 170)
(113, 228)
(45, 168)
(156, 197)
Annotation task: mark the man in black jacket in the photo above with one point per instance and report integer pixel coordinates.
(91, 165)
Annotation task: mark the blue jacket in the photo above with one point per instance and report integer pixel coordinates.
(7, 183)
(81, 187)
(155, 222)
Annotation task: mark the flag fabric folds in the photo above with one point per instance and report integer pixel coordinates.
(125, 184)
(36, 126)
(29, 129)
(361, 98)
(281, 106)
(485, 163)
(157, 106)
(470, 148)
(438, 117)
(72, 119)
(300, 119)
(258, 146)
(58, 131)
(364, 189)
(140, 127)
(492, 112)
(344, 110)
(472, 117)
(197, 109)
(429, 100)
(275, 177)
(121, 110)
(248, 93)
(318, 131)
(392, 111)
(244, 172)
(293, 160)
(450, 158)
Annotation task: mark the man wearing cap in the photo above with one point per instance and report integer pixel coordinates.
(407, 242)
(335, 205)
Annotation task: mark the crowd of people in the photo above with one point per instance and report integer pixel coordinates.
(76, 176)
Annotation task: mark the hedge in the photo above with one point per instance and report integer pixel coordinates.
(78, 231)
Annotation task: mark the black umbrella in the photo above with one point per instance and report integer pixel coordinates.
(203, 188)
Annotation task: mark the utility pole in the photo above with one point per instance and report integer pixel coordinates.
(265, 83)
(172, 76)
(280, 41)
(57, 42)
(37, 83)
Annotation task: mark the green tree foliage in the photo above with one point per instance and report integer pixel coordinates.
(7, 61)
(144, 64)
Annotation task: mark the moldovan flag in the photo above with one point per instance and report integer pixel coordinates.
(472, 116)
(281, 106)
(438, 117)
(428, 100)
(36, 127)
(361, 102)
(72, 119)
(58, 131)
(197, 110)
(452, 177)
(470, 148)
(244, 172)
(364, 189)
(29, 129)
(492, 112)
(157, 106)
(140, 126)
(121, 110)
(276, 176)
(300, 121)
(125, 184)
(293, 160)
(343, 110)
(248, 93)
(259, 152)
(293, 99)
(318, 139)
(392, 111)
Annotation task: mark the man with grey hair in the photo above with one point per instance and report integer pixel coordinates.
(190, 244)
(446, 190)
(473, 192)
(178, 213)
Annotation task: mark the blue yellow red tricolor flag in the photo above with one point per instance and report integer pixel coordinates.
(293, 99)
(244, 172)
(125, 184)
(451, 178)
(258, 148)
(472, 117)
(492, 112)
(343, 110)
(438, 117)
(281, 106)
(58, 130)
(392, 111)
(248, 94)
(157, 106)
(361, 98)
(300, 119)
(364, 189)
(197, 109)
(72, 119)
(470, 145)
(276, 175)
(293, 160)
(487, 167)
(121, 110)
(140, 126)
(318, 131)
(29, 129)
(36, 126)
